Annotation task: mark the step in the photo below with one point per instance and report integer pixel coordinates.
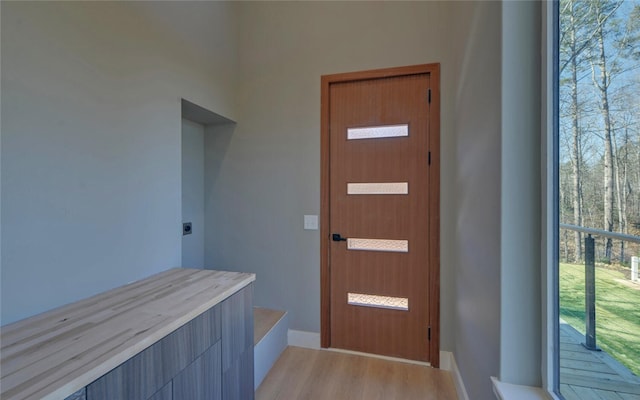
(270, 328)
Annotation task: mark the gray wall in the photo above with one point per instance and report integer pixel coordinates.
(193, 193)
(91, 140)
(521, 195)
(91, 167)
(475, 209)
(270, 176)
(218, 227)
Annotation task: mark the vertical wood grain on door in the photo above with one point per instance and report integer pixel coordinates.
(398, 269)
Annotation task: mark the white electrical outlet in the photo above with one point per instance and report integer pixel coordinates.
(311, 222)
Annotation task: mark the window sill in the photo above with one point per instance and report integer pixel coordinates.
(508, 391)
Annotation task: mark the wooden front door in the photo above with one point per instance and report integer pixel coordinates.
(380, 208)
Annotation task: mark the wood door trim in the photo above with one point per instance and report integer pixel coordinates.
(434, 197)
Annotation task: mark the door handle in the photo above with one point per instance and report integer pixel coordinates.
(337, 238)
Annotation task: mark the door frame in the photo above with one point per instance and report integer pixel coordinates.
(434, 196)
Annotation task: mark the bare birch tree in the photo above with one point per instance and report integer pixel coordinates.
(601, 75)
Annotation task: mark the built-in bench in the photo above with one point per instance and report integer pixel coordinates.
(269, 340)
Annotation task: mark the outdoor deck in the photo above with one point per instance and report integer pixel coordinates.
(592, 375)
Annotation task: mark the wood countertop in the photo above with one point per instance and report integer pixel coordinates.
(54, 354)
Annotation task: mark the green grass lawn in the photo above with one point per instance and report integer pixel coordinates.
(617, 311)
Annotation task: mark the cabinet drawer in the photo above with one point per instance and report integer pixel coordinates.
(145, 374)
(202, 379)
(166, 393)
(237, 380)
(79, 395)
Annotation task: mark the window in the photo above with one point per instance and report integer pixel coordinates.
(596, 185)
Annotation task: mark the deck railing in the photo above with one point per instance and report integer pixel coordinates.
(590, 275)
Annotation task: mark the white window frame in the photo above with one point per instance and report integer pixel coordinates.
(549, 165)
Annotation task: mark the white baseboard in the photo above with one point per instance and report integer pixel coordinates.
(310, 340)
(448, 363)
(445, 360)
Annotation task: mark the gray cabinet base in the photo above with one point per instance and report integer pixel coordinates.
(209, 358)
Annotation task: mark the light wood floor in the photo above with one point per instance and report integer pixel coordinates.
(321, 374)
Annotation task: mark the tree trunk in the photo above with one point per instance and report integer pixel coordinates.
(576, 156)
(602, 84)
(621, 185)
(618, 193)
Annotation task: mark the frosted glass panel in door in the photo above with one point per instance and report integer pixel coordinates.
(377, 132)
(398, 246)
(378, 188)
(370, 300)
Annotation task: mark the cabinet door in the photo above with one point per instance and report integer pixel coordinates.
(202, 379)
(237, 380)
(79, 395)
(166, 393)
(237, 345)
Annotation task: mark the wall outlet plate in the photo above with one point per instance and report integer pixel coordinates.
(186, 228)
